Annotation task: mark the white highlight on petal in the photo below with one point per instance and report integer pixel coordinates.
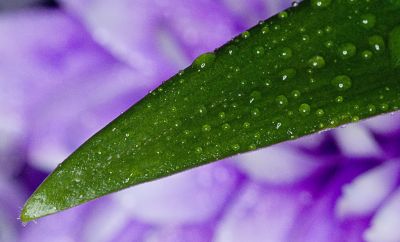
(366, 192)
(356, 141)
(279, 164)
(383, 124)
(260, 215)
(386, 223)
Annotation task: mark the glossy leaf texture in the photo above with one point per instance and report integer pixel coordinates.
(318, 65)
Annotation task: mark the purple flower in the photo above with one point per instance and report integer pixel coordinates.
(65, 73)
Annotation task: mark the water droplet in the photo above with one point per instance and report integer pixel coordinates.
(259, 50)
(206, 128)
(286, 53)
(246, 125)
(255, 112)
(282, 101)
(204, 60)
(339, 99)
(329, 44)
(366, 55)
(265, 30)
(371, 108)
(384, 107)
(347, 51)
(283, 15)
(221, 115)
(377, 43)
(320, 3)
(368, 21)
(252, 147)
(226, 126)
(288, 74)
(245, 35)
(295, 4)
(342, 82)
(235, 147)
(202, 110)
(199, 150)
(316, 62)
(296, 93)
(320, 112)
(304, 109)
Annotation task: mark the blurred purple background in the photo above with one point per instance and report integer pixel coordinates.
(69, 68)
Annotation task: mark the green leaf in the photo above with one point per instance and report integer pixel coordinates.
(316, 66)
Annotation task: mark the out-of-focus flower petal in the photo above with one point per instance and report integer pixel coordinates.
(150, 22)
(384, 124)
(192, 233)
(356, 141)
(385, 224)
(61, 82)
(279, 164)
(366, 192)
(260, 215)
(193, 196)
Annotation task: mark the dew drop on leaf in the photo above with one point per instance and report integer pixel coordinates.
(347, 51)
(342, 82)
(377, 43)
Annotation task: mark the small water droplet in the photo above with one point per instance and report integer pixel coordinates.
(282, 101)
(296, 93)
(246, 125)
(304, 109)
(347, 50)
(288, 74)
(221, 115)
(320, 3)
(265, 30)
(316, 62)
(204, 60)
(206, 128)
(295, 4)
(199, 150)
(320, 112)
(339, 99)
(226, 127)
(259, 50)
(286, 53)
(283, 15)
(235, 147)
(368, 21)
(377, 43)
(366, 55)
(371, 108)
(342, 82)
(255, 112)
(245, 35)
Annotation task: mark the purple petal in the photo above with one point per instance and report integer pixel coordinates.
(279, 164)
(385, 224)
(356, 141)
(366, 192)
(193, 196)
